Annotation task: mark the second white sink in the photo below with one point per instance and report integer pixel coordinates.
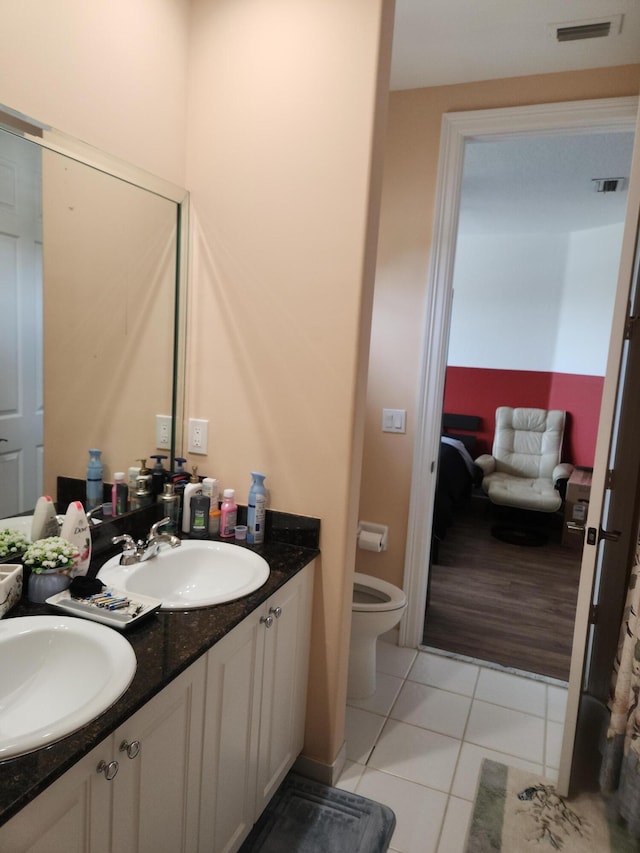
(195, 574)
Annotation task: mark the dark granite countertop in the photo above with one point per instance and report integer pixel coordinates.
(165, 644)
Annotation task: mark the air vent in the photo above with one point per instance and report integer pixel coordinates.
(584, 31)
(608, 185)
(588, 29)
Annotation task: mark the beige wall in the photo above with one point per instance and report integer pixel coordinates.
(109, 72)
(281, 129)
(411, 162)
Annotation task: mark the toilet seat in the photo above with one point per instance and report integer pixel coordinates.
(377, 595)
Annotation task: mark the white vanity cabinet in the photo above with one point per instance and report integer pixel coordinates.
(255, 713)
(192, 769)
(142, 800)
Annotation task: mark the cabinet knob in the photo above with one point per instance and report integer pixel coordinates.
(267, 620)
(277, 611)
(109, 770)
(132, 749)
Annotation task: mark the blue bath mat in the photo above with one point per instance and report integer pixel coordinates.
(307, 817)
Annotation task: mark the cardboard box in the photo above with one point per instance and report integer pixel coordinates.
(576, 506)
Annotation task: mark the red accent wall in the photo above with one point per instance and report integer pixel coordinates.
(479, 391)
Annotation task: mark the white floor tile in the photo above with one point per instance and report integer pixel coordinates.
(432, 708)
(512, 691)
(350, 776)
(387, 689)
(393, 659)
(465, 781)
(446, 673)
(419, 811)
(361, 732)
(416, 754)
(553, 745)
(456, 824)
(506, 730)
(556, 703)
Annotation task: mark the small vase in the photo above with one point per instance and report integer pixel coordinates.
(46, 583)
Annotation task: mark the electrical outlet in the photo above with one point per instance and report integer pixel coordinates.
(163, 432)
(198, 436)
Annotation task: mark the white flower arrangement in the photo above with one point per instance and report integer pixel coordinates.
(12, 542)
(51, 553)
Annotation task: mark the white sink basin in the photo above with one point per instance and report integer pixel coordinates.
(57, 673)
(195, 574)
(22, 523)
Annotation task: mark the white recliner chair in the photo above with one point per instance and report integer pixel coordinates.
(525, 466)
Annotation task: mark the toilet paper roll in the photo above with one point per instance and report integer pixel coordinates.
(370, 541)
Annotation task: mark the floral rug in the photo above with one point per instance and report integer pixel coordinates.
(518, 812)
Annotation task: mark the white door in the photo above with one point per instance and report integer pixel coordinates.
(21, 401)
(612, 518)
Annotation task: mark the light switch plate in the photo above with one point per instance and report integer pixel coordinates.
(198, 436)
(394, 420)
(163, 432)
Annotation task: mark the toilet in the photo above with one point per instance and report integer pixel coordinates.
(377, 608)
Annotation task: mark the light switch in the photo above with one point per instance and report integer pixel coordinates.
(394, 420)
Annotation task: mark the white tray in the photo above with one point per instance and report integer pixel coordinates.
(140, 607)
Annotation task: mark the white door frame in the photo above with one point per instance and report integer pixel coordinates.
(610, 115)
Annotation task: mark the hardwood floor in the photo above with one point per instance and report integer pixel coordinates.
(508, 604)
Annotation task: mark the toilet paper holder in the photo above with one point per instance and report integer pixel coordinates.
(381, 530)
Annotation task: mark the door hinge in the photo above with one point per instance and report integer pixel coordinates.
(629, 327)
(593, 614)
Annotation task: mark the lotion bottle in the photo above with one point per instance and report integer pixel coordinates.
(94, 479)
(256, 509)
(75, 529)
(228, 514)
(193, 487)
(44, 522)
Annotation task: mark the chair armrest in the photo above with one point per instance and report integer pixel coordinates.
(487, 463)
(562, 471)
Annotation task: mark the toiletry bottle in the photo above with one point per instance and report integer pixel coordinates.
(75, 529)
(211, 488)
(144, 496)
(158, 475)
(94, 479)
(134, 471)
(199, 516)
(229, 514)
(194, 486)
(44, 522)
(119, 493)
(170, 508)
(256, 509)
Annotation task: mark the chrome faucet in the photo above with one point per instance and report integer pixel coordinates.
(144, 549)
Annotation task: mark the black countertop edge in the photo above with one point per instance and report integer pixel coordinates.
(165, 644)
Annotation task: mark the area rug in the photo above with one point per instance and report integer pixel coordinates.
(518, 812)
(307, 817)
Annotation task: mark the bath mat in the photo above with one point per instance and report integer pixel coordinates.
(518, 812)
(527, 536)
(307, 817)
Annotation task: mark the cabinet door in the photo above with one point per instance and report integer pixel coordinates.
(155, 795)
(71, 816)
(230, 737)
(284, 683)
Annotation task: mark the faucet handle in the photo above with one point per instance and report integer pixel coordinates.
(155, 527)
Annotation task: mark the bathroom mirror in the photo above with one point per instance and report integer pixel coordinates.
(92, 296)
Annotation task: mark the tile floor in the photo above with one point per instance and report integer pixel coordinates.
(418, 743)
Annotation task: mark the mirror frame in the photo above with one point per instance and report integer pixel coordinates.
(47, 137)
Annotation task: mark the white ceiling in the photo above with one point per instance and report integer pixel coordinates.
(540, 184)
(439, 42)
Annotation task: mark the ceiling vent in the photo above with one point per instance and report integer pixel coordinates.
(591, 29)
(608, 185)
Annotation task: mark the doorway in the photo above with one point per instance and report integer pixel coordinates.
(616, 115)
(537, 252)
